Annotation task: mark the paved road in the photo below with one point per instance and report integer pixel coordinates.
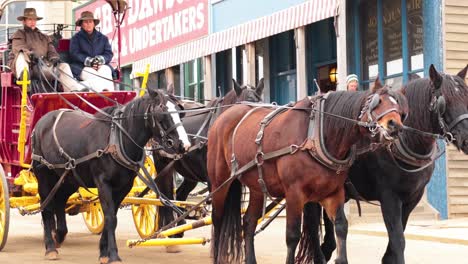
(25, 246)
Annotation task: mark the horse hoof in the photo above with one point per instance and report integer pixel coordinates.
(173, 249)
(52, 255)
(104, 260)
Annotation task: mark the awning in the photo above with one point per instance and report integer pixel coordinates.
(281, 21)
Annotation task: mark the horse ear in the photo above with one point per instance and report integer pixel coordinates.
(170, 89)
(237, 87)
(377, 85)
(260, 86)
(435, 77)
(403, 91)
(153, 93)
(462, 73)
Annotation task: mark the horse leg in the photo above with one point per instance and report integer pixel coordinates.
(329, 242)
(293, 223)
(45, 185)
(107, 244)
(184, 189)
(334, 206)
(408, 207)
(309, 245)
(254, 212)
(166, 214)
(61, 201)
(391, 207)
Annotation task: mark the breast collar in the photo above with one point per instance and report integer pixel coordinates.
(115, 148)
(400, 150)
(315, 143)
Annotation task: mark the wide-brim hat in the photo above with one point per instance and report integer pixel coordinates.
(29, 13)
(87, 15)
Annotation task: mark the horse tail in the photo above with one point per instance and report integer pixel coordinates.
(228, 239)
(309, 237)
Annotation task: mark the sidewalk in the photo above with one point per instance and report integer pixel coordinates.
(452, 231)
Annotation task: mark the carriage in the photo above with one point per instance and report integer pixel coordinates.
(19, 113)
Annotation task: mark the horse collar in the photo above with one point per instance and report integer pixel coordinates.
(402, 152)
(315, 143)
(115, 148)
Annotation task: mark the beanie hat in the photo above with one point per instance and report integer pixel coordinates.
(351, 78)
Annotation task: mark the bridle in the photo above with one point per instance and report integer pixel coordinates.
(438, 106)
(150, 117)
(370, 105)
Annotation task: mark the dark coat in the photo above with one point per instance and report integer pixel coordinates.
(82, 47)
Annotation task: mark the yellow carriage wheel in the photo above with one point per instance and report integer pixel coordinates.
(4, 208)
(146, 216)
(94, 218)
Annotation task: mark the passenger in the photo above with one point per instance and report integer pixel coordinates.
(352, 82)
(29, 44)
(91, 54)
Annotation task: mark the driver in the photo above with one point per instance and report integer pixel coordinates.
(29, 45)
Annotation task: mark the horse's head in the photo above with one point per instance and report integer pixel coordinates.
(242, 93)
(464, 74)
(449, 106)
(386, 109)
(165, 122)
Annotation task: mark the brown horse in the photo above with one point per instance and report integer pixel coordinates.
(295, 175)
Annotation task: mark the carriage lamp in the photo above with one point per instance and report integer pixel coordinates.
(333, 75)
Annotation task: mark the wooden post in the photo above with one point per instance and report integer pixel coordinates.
(341, 55)
(250, 52)
(208, 78)
(301, 73)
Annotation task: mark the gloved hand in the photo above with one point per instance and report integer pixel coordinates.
(95, 63)
(33, 57)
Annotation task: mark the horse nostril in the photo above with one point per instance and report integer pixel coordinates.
(392, 126)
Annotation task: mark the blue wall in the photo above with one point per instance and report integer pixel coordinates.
(433, 54)
(229, 13)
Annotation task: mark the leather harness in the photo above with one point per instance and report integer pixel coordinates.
(313, 144)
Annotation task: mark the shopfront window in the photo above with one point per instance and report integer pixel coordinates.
(369, 42)
(194, 84)
(390, 40)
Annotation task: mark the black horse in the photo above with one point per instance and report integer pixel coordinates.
(72, 149)
(397, 177)
(193, 164)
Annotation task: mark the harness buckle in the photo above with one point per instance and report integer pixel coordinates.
(259, 137)
(259, 158)
(99, 153)
(449, 138)
(71, 164)
(294, 148)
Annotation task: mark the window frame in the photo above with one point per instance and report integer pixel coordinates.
(357, 67)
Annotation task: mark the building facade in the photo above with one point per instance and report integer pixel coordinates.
(297, 46)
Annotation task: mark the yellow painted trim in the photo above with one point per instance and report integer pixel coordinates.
(24, 108)
(169, 242)
(145, 76)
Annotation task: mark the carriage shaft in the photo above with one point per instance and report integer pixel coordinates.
(153, 201)
(168, 242)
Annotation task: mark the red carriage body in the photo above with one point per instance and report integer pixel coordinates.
(38, 105)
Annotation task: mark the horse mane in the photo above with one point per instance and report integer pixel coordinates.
(345, 104)
(419, 95)
(109, 110)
